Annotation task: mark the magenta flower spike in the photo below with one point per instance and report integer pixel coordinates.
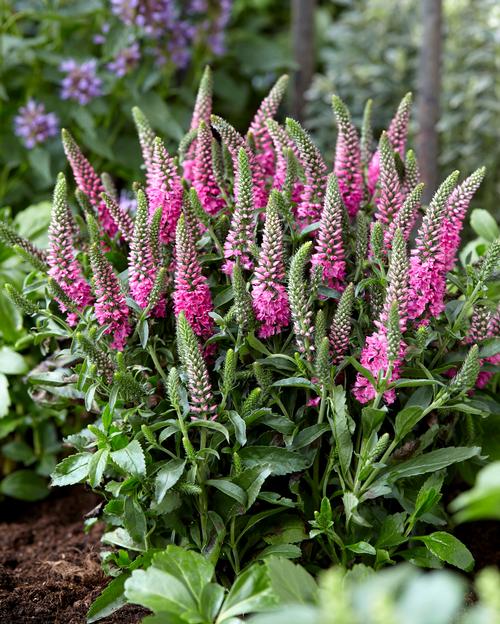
(201, 112)
(264, 152)
(456, 210)
(347, 165)
(203, 174)
(165, 191)
(329, 250)
(269, 296)
(88, 182)
(110, 306)
(390, 198)
(191, 291)
(428, 260)
(141, 266)
(311, 202)
(375, 353)
(397, 134)
(64, 267)
(241, 232)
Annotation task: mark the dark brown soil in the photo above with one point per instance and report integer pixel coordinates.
(49, 568)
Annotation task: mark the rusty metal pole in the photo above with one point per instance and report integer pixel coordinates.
(303, 52)
(429, 91)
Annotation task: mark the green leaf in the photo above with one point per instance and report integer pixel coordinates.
(340, 428)
(290, 582)
(4, 395)
(280, 460)
(406, 420)
(482, 502)
(372, 419)
(96, 467)
(134, 519)
(25, 485)
(211, 599)
(490, 347)
(19, 451)
(131, 459)
(430, 462)
(450, 549)
(12, 363)
(229, 489)
(288, 551)
(210, 424)
(109, 600)
(295, 382)
(71, 470)
(484, 224)
(362, 548)
(161, 592)
(189, 567)
(240, 428)
(167, 477)
(250, 593)
(308, 435)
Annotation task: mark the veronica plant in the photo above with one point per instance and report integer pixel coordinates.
(270, 364)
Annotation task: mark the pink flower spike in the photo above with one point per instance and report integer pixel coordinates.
(348, 159)
(88, 182)
(329, 251)
(164, 191)
(390, 199)
(191, 293)
(141, 266)
(240, 237)
(264, 153)
(282, 144)
(64, 267)
(201, 112)
(110, 306)
(203, 175)
(269, 296)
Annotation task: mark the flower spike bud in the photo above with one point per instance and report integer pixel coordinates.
(203, 105)
(88, 181)
(109, 185)
(142, 269)
(300, 308)
(242, 299)
(467, 376)
(361, 249)
(393, 333)
(264, 152)
(456, 210)
(490, 262)
(397, 134)
(31, 253)
(204, 180)
(120, 217)
(191, 293)
(110, 306)
(200, 392)
(173, 389)
(97, 356)
(397, 277)
(390, 200)
(20, 301)
(348, 159)
(129, 388)
(377, 241)
(229, 372)
(412, 172)
(64, 266)
(322, 363)
(319, 328)
(286, 177)
(231, 138)
(340, 328)
(428, 261)
(165, 190)
(366, 142)
(270, 300)
(199, 217)
(315, 170)
(329, 249)
(406, 217)
(146, 138)
(240, 238)
(62, 298)
(154, 235)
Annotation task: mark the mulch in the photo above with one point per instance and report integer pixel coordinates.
(50, 569)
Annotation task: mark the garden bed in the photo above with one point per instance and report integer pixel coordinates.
(49, 568)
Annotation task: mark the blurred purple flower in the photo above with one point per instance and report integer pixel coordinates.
(217, 36)
(81, 82)
(126, 60)
(33, 125)
(100, 38)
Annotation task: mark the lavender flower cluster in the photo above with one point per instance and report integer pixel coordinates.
(33, 125)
